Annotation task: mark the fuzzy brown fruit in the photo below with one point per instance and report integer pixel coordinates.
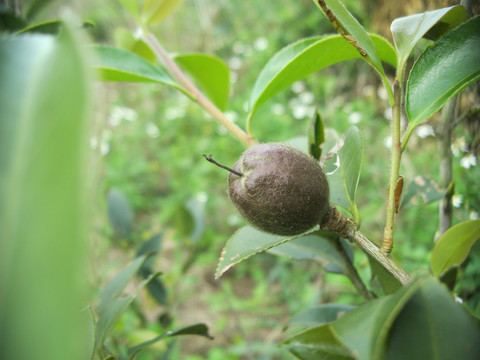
(281, 190)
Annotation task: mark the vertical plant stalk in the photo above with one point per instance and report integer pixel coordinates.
(350, 270)
(444, 134)
(201, 99)
(387, 244)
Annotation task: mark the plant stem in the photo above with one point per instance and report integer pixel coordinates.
(349, 269)
(387, 244)
(337, 222)
(201, 99)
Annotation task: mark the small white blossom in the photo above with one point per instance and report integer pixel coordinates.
(473, 215)
(298, 87)
(232, 116)
(152, 130)
(306, 97)
(457, 200)
(425, 130)
(355, 117)
(260, 43)
(468, 161)
(235, 63)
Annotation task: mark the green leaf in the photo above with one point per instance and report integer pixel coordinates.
(315, 247)
(116, 64)
(433, 326)
(203, 68)
(344, 179)
(303, 58)
(116, 286)
(36, 6)
(387, 281)
(131, 6)
(442, 71)
(422, 190)
(155, 11)
(44, 132)
(47, 27)
(120, 213)
(316, 136)
(453, 247)
(245, 243)
(320, 314)
(407, 31)
(318, 343)
(126, 40)
(116, 308)
(196, 329)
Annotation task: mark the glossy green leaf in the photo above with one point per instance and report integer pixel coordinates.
(320, 314)
(116, 286)
(245, 243)
(318, 343)
(303, 58)
(420, 191)
(116, 308)
(454, 246)
(344, 179)
(116, 64)
(316, 247)
(316, 136)
(155, 11)
(407, 31)
(210, 73)
(120, 213)
(196, 329)
(44, 132)
(433, 326)
(443, 70)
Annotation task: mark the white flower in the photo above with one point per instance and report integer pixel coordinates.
(473, 215)
(388, 114)
(425, 130)
(382, 93)
(387, 142)
(306, 97)
(468, 161)
(152, 130)
(457, 200)
(260, 44)
(298, 86)
(235, 63)
(355, 117)
(232, 116)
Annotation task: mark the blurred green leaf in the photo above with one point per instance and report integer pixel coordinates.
(203, 69)
(9, 21)
(320, 314)
(245, 243)
(421, 191)
(116, 308)
(442, 71)
(47, 27)
(44, 132)
(454, 246)
(433, 326)
(317, 343)
(116, 64)
(126, 40)
(120, 213)
(155, 11)
(116, 286)
(407, 31)
(343, 181)
(316, 136)
(132, 7)
(300, 59)
(315, 247)
(35, 7)
(196, 329)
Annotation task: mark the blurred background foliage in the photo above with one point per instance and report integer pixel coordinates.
(151, 178)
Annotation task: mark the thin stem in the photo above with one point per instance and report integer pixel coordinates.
(201, 99)
(394, 170)
(350, 270)
(210, 159)
(337, 222)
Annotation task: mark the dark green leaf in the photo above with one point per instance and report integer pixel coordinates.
(120, 213)
(210, 73)
(388, 282)
(9, 21)
(320, 314)
(344, 179)
(433, 326)
(454, 246)
(196, 329)
(408, 30)
(316, 136)
(314, 247)
(300, 59)
(442, 71)
(245, 243)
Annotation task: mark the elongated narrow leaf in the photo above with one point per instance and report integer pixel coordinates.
(44, 177)
(454, 246)
(316, 247)
(245, 243)
(196, 329)
(344, 22)
(320, 314)
(116, 64)
(443, 70)
(344, 180)
(407, 31)
(303, 58)
(210, 73)
(434, 326)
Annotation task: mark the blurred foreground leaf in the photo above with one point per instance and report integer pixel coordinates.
(120, 213)
(320, 314)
